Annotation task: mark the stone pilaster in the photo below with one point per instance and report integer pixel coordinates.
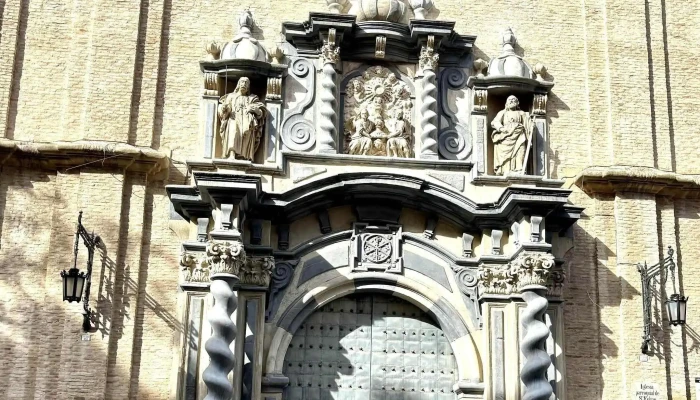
(273, 102)
(208, 107)
(539, 151)
(479, 131)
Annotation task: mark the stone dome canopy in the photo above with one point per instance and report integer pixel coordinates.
(243, 45)
(509, 63)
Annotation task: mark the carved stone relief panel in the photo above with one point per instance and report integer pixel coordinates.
(378, 115)
(376, 248)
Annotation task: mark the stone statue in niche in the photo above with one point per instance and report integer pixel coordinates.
(377, 115)
(512, 138)
(242, 121)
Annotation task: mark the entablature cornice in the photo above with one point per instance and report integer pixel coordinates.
(62, 155)
(372, 188)
(619, 179)
(357, 39)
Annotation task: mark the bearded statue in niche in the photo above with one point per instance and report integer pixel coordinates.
(242, 121)
(377, 115)
(512, 138)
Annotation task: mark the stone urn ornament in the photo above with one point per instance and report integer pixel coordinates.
(378, 10)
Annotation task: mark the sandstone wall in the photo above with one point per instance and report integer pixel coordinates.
(127, 72)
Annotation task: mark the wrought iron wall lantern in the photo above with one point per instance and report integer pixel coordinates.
(73, 280)
(676, 303)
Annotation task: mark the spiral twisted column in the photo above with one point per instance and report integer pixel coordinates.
(218, 346)
(225, 258)
(330, 55)
(537, 361)
(533, 275)
(428, 111)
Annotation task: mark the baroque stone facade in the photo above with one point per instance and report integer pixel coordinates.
(414, 153)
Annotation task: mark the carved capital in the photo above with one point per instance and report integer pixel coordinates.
(193, 268)
(532, 270)
(527, 272)
(539, 104)
(211, 84)
(274, 89)
(480, 97)
(257, 271)
(330, 52)
(496, 280)
(225, 257)
(428, 59)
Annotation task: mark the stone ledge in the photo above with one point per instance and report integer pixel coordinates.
(513, 179)
(346, 159)
(616, 179)
(66, 155)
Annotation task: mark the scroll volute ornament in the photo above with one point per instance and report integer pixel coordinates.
(225, 257)
(378, 115)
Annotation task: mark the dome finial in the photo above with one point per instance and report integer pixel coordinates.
(508, 40)
(245, 23)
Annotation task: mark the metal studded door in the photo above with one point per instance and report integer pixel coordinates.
(370, 347)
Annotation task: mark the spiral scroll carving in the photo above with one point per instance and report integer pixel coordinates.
(537, 361)
(215, 376)
(300, 67)
(454, 145)
(329, 117)
(428, 119)
(299, 134)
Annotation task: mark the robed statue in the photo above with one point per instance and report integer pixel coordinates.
(512, 138)
(242, 121)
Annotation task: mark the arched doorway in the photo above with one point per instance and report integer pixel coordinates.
(370, 346)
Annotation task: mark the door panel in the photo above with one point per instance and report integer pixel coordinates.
(370, 347)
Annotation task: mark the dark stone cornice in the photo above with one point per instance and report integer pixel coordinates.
(242, 67)
(363, 188)
(357, 40)
(505, 85)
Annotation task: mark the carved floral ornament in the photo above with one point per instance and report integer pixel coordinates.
(529, 271)
(378, 115)
(223, 257)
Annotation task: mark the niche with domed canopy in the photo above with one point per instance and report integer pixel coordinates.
(509, 114)
(242, 95)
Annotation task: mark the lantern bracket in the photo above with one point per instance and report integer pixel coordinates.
(648, 273)
(90, 240)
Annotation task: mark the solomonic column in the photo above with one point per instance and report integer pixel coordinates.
(428, 62)
(226, 257)
(533, 272)
(330, 56)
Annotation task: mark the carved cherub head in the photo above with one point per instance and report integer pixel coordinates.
(379, 124)
(357, 86)
(364, 114)
(512, 103)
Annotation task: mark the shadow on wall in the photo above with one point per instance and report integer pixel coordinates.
(44, 344)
